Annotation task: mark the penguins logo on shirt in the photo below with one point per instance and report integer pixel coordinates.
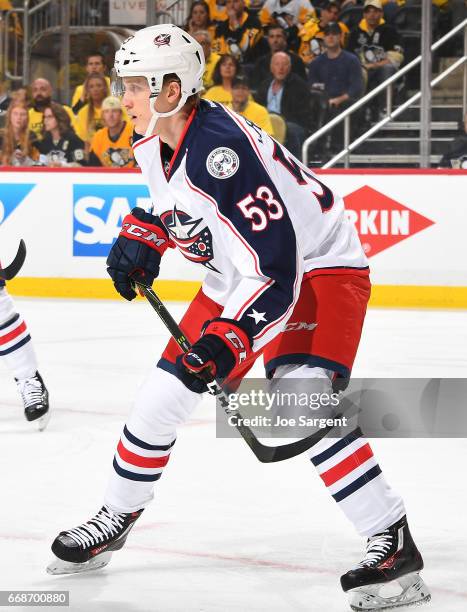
(196, 245)
(222, 163)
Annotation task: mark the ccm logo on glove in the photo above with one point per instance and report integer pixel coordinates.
(153, 236)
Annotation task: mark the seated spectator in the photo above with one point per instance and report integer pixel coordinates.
(211, 59)
(217, 10)
(286, 13)
(277, 41)
(286, 94)
(378, 47)
(111, 145)
(42, 91)
(94, 65)
(312, 32)
(226, 70)
(244, 105)
(17, 142)
(89, 118)
(335, 78)
(239, 35)
(198, 19)
(456, 156)
(60, 146)
(6, 96)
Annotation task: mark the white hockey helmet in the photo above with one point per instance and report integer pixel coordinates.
(154, 52)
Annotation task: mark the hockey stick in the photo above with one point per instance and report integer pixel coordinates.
(12, 270)
(265, 454)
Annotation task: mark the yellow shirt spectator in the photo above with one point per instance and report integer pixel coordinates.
(79, 90)
(244, 105)
(296, 11)
(211, 63)
(218, 94)
(115, 152)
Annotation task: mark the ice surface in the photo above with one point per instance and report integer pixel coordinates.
(225, 532)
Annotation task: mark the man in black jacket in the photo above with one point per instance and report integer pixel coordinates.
(284, 93)
(277, 41)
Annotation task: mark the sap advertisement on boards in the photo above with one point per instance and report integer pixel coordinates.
(69, 220)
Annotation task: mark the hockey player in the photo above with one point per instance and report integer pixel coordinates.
(278, 248)
(17, 352)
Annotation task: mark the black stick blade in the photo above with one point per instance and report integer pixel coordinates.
(12, 270)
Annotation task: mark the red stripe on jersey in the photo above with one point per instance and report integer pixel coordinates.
(180, 141)
(347, 465)
(13, 334)
(143, 140)
(139, 461)
(364, 272)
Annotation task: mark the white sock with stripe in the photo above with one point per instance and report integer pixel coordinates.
(144, 448)
(353, 477)
(16, 349)
(350, 471)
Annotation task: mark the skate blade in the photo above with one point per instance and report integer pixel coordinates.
(59, 567)
(414, 592)
(43, 421)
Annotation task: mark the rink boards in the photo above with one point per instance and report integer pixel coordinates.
(411, 224)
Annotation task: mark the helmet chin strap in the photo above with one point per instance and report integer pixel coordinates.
(155, 115)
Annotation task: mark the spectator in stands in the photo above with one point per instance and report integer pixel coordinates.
(17, 148)
(94, 65)
(41, 98)
(243, 104)
(60, 146)
(456, 156)
(286, 94)
(240, 34)
(6, 96)
(277, 41)
(224, 73)
(217, 10)
(198, 19)
(312, 32)
(286, 13)
(336, 81)
(89, 118)
(378, 47)
(111, 145)
(211, 58)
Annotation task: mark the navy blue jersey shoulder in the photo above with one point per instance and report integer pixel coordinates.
(223, 163)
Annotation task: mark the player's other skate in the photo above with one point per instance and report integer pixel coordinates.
(388, 576)
(35, 399)
(90, 545)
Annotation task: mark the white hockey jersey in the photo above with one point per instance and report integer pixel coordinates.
(237, 202)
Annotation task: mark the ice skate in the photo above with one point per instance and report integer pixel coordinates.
(35, 400)
(90, 545)
(388, 577)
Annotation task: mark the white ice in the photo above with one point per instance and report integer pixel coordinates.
(225, 533)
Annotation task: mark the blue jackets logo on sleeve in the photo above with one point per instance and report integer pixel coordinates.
(222, 163)
(98, 212)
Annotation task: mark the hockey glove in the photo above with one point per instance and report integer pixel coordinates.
(137, 251)
(222, 347)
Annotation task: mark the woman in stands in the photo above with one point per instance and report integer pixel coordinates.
(17, 148)
(89, 118)
(226, 70)
(199, 19)
(59, 146)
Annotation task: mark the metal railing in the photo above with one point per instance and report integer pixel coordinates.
(167, 11)
(391, 114)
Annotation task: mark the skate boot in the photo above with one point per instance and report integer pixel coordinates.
(90, 545)
(388, 577)
(35, 399)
